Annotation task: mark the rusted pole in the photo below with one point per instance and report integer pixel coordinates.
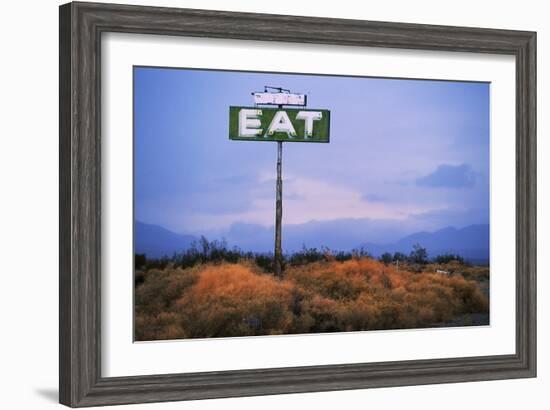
(278, 262)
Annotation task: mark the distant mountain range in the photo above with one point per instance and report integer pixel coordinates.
(471, 242)
(155, 241)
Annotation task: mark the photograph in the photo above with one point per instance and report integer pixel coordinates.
(365, 208)
(278, 205)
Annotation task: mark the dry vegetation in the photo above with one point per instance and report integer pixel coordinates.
(241, 299)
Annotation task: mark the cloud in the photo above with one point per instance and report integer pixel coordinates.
(449, 176)
(307, 199)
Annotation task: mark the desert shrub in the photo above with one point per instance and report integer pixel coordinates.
(469, 294)
(306, 255)
(232, 299)
(366, 294)
(467, 270)
(386, 258)
(264, 261)
(161, 288)
(324, 313)
(448, 257)
(418, 255)
(165, 325)
(139, 260)
(478, 273)
(139, 277)
(399, 256)
(220, 299)
(203, 251)
(334, 280)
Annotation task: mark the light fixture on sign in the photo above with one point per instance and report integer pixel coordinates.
(279, 96)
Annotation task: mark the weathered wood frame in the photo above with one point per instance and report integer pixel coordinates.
(81, 26)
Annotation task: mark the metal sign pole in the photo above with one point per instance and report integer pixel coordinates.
(279, 211)
(278, 257)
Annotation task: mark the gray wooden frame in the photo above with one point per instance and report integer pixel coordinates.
(81, 27)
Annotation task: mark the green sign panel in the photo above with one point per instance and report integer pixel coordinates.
(278, 124)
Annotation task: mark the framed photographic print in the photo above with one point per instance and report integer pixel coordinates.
(260, 204)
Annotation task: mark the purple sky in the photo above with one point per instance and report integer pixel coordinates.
(405, 155)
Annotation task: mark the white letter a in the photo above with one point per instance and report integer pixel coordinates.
(281, 123)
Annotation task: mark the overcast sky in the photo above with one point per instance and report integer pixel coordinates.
(408, 153)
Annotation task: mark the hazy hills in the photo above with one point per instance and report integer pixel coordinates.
(471, 242)
(156, 241)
